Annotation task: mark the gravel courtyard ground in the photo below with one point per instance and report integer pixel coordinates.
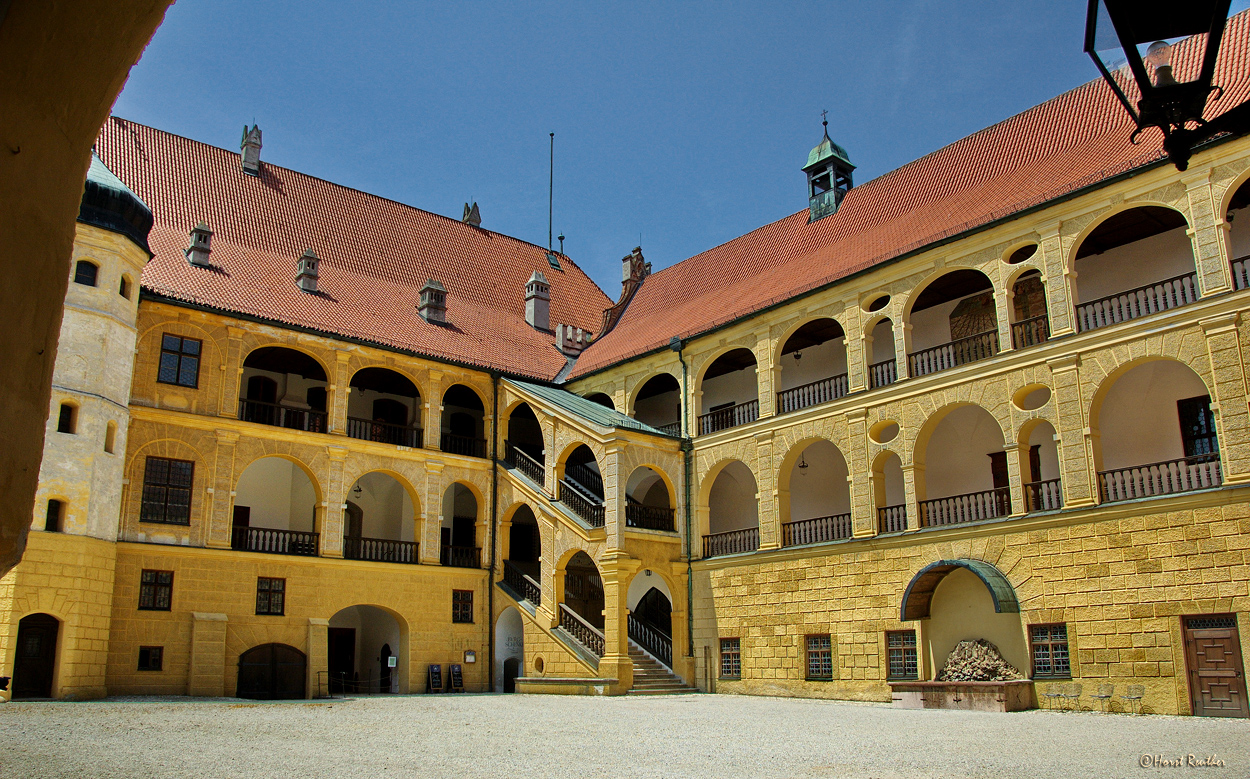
(546, 736)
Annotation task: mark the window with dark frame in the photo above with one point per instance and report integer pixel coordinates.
(180, 361)
(730, 658)
(167, 491)
(1048, 644)
(462, 605)
(900, 648)
(67, 419)
(52, 521)
(270, 596)
(150, 658)
(156, 590)
(85, 273)
(820, 657)
(1197, 426)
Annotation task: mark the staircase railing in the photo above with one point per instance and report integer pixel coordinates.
(521, 583)
(882, 373)
(282, 416)
(950, 355)
(1135, 303)
(1043, 495)
(384, 432)
(815, 531)
(725, 418)
(461, 556)
(969, 507)
(568, 494)
(892, 519)
(733, 542)
(263, 539)
(524, 462)
(463, 445)
(651, 639)
(381, 550)
(1164, 478)
(812, 394)
(1029, 332)
(590, 481)
(586, 634)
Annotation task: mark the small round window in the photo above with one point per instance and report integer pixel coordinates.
(884, 431)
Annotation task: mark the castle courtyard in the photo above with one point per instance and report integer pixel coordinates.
(558, 736)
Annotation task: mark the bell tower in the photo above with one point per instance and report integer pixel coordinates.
(828, 172)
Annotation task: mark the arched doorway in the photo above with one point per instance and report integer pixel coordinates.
(272, 672)
(524, 448)
(816, 496)
(384, 406)
(509, 649)
(35, 662)
(651, 616)
(458, 535)
(522, 569)
(880, 353)
(889, 494)
(362, 640)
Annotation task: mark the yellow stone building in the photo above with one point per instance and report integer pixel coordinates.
(333, 441)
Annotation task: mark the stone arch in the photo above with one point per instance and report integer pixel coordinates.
(525, 513)
(354, 615)
(585, 595)
(303, 466)
(799, 324)
(730, 486)
(304, 350)
(960, 472)
(663, 477)
(457, 532)
(1100, 217)
(509, 649)
(414, 500)
(825, 492)
(603, 399)
(915, 293)
(632, 397)
(889, 492)
(918, 596)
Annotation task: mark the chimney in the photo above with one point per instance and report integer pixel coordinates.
(306, 271)
(633, 268)
(249, 150)
(571, 340)
(472, 216)
(433, 305)
(198, 251)
(538, 302)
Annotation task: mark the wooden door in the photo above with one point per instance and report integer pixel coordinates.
(272, 672)
(1217, 681)
(36, 656)
(511, 670)
(342, 659)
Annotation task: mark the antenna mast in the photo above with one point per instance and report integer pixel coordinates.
(551, 182)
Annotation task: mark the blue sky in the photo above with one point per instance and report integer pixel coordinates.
(685, 123)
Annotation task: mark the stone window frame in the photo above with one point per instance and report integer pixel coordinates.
(156, 590)
(818, 655)
(462, 606)
(184, 362)
(731, 658)
(902, 656)
(1049, 643)
(158, 491)
(151, 658)
(67, 419)
(54, 519)
(270, 596)
(86, 273)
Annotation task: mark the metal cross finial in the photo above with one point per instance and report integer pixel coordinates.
(824, 116)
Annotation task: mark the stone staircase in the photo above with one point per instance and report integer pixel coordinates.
(652, 678)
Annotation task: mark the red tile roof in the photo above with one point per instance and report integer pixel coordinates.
(1060, 146)
(376, 255)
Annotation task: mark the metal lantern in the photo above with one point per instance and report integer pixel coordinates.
(1132, 41)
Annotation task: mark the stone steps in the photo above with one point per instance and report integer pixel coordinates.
(651, 677)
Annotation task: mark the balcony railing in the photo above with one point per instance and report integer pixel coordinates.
(580, 503)
(1043, 495)
(461, 556)
(524, 462)
(882, 373)
(950, 355)
(1165, 478)
(586, 634)
(725, 418)
(892, 519)
(282, 416)
(463, 445)
(1150, 299)
(1241, 273)
(263, 539)
(651, 639)
(384, 432)
(816, 531)
(812, 394)
(673, 428)
(733, 542)
(381, 550)
(1030, 332)
(648, 517)
(969, 507)
(522, 583)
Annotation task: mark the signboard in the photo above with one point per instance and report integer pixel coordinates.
(457, 678)
(434, 679)
(470, 656)
(392, 661)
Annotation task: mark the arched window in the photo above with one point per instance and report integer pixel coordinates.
(85, 273)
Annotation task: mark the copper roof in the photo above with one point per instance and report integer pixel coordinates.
(1065, 144)
(376, 255)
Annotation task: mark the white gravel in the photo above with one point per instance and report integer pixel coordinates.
(511, 736)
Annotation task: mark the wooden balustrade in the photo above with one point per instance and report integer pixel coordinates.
(522, 583)
(969, 507)
(648, 517)
(463, 445)
(461, 556)
(580, 503)
(733, 542)
(725, 418)
(1241, 273)
(270, 541)
(652, 639)
(384, 432)
(1135, 303)
(586, 634)
(816, 531)
(1043, 495)
(892, 519)
(812, 394)
(951, 355)
(381, 550)
(881, 374)
(673, 428)
(524, 462)
(1030, 332)
(282, 416)
(1163, 478)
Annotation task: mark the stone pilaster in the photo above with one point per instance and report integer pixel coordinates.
(614, 483)
(766, 491)
(330, 513)
(1059, 282)
(1002, 313)
(913, 489)
(319, 659)
(617, 569)
(432, 412)
(902, 344)
(220, 509)
(206, 676)
(231, 374)
(1207, 234)
(1076, 442)
(857, 351)
(1228, 395)
(338, 392)
(859, 471)
(432, 513)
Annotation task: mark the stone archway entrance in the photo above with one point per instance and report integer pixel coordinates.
(272, 672)
(509, 649)
(35, 663)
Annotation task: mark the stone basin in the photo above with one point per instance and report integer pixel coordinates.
(973, 696)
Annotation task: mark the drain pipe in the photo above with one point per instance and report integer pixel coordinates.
(494, 526)
(677, 345)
